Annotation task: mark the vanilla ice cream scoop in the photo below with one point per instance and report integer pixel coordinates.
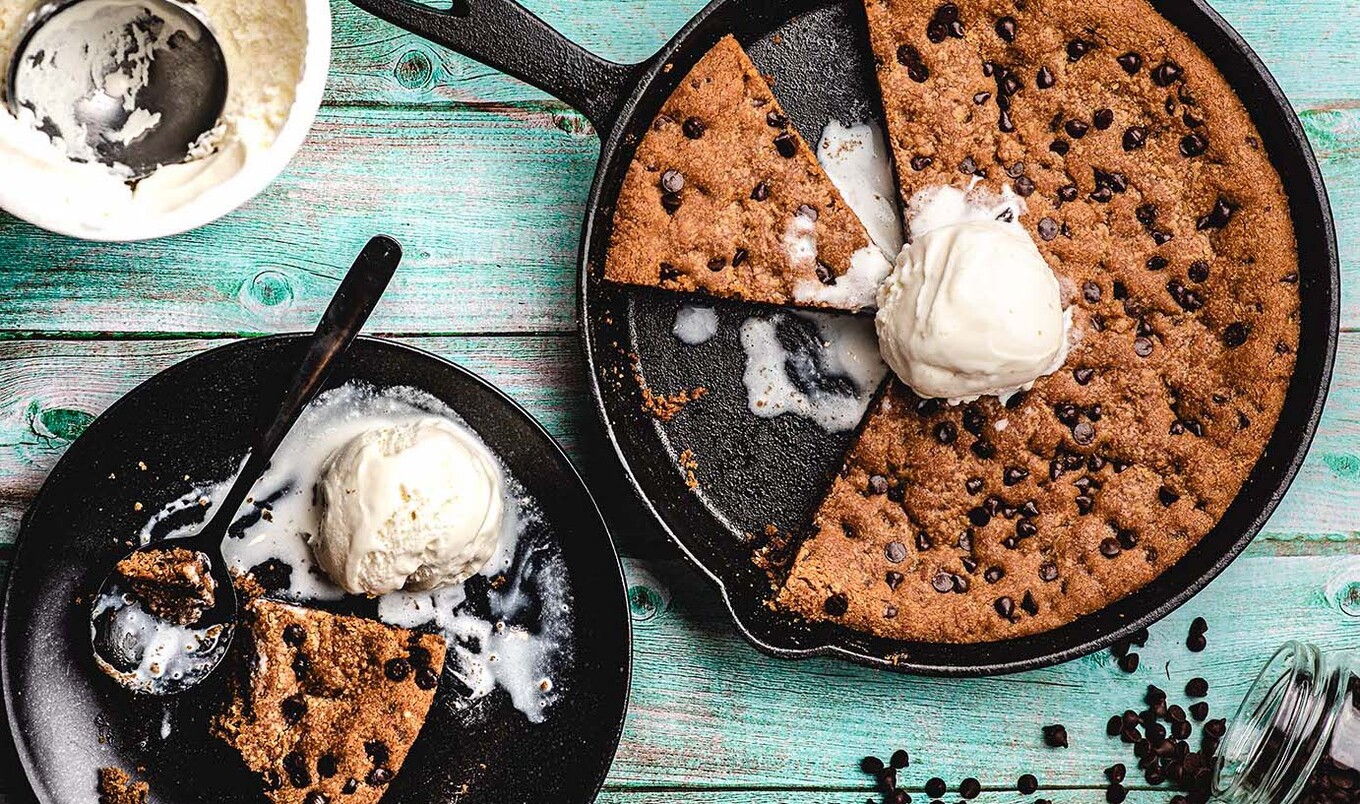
(971, 308)
(413, 505)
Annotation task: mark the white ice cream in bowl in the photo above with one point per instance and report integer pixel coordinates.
(276, 55)
(971, 308)
(410, 505)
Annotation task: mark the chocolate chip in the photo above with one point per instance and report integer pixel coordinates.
(377, 752)
(316, 797)
(1235, 334)
(717, 264)
(1008, 85)
(1076, 129)
(1103, 119)
(1055, 736)
(943, 582)
(1166, 73)
(1218, 217)
(1197, 688)
(786, 145)
(378, 777)
(327, 766)
(301, 666)
(1078, 48)
(1142, 346)
(805, 211)
(671, 202)
(1167, 497)
(1013, 475)
(427, 678)
(1068, 192)
(1129, 663)
(1084, 433)
(1131, 62)
(1004, 122)
(1048, 572)
(1194, 144)
(900, 759)
(1109, 547)
(1135, 137)
(269, 779)
(970, 788)
(1030, 606)
(1045, 78)
(893, 579)
(351, 785)
(1025, 528)
(1005, 28)
(672, 181)
(739, 256)
(1091, 292)
(1005, 607)
(1127, 539)
(836, 605)
(292, 709)
(776, 120)
(1060, 147)
(1196, 643)
(1156, 263)
(824, 274)
(761, 192)
(946, 432)
(1084, 504)
(1188, 300)
(295, 765)
(967, 166)
(919, 163)
(1116, 794)
(908, 56)
(1162, 238)
(896, 552)
(984, 449)
(980, 98)
(294, 635)
(1198, 271)
(936, 788)
(1199, 711)
(1048, 229)
(979, 516)
(973, 485)
(693, 127)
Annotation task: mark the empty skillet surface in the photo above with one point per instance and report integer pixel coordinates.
(755, 472)
(194, 419)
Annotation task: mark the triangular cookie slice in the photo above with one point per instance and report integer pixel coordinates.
(723, 197)
(326, 707)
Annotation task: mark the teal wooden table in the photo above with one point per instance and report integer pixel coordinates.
(484, 180)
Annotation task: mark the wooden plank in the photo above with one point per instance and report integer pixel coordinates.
(489, 203)
(49, 390)
(376, 63)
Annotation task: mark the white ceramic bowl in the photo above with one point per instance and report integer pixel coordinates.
(69, 203)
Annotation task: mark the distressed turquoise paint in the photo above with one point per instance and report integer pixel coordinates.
(1343, 466)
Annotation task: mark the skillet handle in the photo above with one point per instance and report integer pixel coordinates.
(504, 35)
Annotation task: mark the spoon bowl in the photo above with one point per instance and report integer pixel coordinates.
(164, 618)
(134, 84)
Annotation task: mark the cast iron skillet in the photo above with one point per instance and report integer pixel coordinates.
(195, 419)
(755, 472)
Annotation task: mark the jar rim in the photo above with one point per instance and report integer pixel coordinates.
(1242, 754)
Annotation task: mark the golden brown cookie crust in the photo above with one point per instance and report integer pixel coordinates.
(325, 708)
(1170, 233)
(715, 185)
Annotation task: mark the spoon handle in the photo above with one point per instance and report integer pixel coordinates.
(349, 309)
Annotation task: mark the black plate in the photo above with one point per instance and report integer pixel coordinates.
(195, 419)
(772, 471)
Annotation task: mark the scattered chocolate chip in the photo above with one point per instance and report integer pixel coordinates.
(786, 145)
(1199, 711)
(1116, 794)
(908, 56)
(294, 635)
(900, 759)
(836, 605)
(1197, 688)
(1194, 144)
(427, 678)
(1129, 662)
(871, 765)
(993, 574)
(1166, 73)
(295, 765)
(973, 485)
(717, 264)
(1103, 119)
(824, 274)
(1060, 147)
(1235, 334)
(935, 788)
(970, 788)
(672, 181)
(979, 516)
(739, 256)
(1090, 291)
(1076, 129)
(1004, 122)
(1048, 229)
(968, 166)
(1030, 606)
(1135, 137)
(377, 752)
(1048, 572)
(1109, 547)
(1218, 217)
(1013, 475)
(1196, 643)
(1131, 62)
(1055, 736)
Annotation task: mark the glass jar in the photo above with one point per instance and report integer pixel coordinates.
(1296, 737)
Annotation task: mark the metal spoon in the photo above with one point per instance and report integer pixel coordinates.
(134, 639)
(80, 66)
